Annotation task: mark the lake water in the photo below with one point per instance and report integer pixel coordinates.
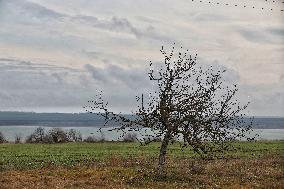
(11, 131)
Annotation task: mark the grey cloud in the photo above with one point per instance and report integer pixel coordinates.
(113, 74)
(104, 27)
(27, 12)
(116, 24)
(28, 84)
(266, 100)
(276, 31)
(38, 10)
(137, 78)
(120, 84)
(281, 78)
(27, 80)
(92, 54)
(60, 76)
(8, 64)
(230, 76)
(206, 17)
(120, 24)
(19, 74)
(132, 77)
(147, 19)
(271, 105)
(86, 19)
(254, 36)
(97, 73)
(261, 35)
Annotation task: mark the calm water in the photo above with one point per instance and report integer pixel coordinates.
(11, 131)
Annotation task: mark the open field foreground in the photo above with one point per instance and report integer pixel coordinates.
(129, 165)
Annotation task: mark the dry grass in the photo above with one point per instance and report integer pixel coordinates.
(139, 172)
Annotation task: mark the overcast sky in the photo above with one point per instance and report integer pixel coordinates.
(55, 55)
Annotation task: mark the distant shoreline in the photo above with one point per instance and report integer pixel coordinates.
(95, 120)
(96, 126)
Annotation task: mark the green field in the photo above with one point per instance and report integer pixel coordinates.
(129, 165)
(23, 156)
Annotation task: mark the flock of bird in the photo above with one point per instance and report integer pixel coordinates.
(281, 3)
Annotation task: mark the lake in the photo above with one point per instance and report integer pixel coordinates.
(11, 131)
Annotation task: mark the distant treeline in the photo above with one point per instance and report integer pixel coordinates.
(58, 135)
(50, 119)
(95, 120)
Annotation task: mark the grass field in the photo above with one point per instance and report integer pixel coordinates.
(129, 165)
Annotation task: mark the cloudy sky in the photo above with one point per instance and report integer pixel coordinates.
(55, 55)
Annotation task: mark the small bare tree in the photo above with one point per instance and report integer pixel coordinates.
(130, 137)
(58, 135)
(2, 138)
(18, 138)
(191, 102)
(74, 136)
(37, 136)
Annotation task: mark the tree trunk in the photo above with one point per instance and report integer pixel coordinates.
(163, 152)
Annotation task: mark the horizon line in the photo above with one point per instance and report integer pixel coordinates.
(42, 112)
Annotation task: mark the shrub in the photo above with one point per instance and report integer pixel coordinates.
(18, 138)
(2, 138)
(55, 135)
(156, 139)
(58, 135)
(130, 137)
(91, 139)
(74, 135)
(95, 139)
(152, 139)
(38, 136)
(48, 139)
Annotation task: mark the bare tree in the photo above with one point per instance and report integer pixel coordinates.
(37, 136)
(2, 138)
(191, 102)
(18, 138)
(58, 135)
(74, 135)
(130, 137)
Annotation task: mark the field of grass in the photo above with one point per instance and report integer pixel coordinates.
(129, 165)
